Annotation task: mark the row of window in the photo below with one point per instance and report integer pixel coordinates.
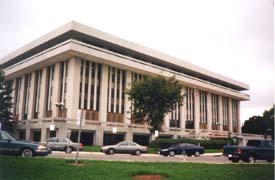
(90, 85)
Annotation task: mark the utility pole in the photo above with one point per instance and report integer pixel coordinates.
(79, 119)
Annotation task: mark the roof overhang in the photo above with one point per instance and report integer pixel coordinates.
(79, 32)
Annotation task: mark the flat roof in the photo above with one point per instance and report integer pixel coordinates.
(83, 33)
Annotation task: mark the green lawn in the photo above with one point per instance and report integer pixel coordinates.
(12, 168)
(150, 150)
(92, 148)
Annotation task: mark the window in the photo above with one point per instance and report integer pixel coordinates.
(62, 140)
(52, 140)
(132, 144)
(123, 144)
(254, 143)
(268, 144)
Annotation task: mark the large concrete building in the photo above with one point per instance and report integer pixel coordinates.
(87, 69)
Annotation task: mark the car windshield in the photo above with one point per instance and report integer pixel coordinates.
(175, 145)
(12, 136)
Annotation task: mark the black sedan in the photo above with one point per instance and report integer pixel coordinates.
(182, 149)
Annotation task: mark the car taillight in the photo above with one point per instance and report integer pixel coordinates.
(81, 145)
(239, 151)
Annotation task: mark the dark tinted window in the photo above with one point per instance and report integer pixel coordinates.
(254, 143)
(268, 144)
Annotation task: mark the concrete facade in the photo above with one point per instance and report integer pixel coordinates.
(86, 69)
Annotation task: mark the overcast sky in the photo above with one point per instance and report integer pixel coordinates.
(234, 38)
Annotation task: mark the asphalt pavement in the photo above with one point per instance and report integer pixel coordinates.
(211, 158)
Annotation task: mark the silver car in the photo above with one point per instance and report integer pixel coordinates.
(124, 147)
(63, 144)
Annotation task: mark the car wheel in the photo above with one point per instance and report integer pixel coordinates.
(111, 151)
(270, 160)
(235, 160)
(138, 152)
(251, 159)
(197, 153)
(172, 153)
(68, 150)
(27, 153)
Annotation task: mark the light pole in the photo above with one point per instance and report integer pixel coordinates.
(79, 119)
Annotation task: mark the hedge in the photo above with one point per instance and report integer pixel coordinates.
(207, 144)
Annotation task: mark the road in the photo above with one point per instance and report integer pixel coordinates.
(206, 158)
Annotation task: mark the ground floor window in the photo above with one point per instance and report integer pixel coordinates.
(142, 139)
(86, 138)
(110, 139)
(36, 136)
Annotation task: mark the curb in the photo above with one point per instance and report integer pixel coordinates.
(145, 154)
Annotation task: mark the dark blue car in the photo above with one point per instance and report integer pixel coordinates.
(182, 149)
(10, 145)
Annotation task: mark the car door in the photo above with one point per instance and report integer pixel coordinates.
(188, 149)
(52, 143)
(257, 148)
(268, 150)
(5, 145)
(61, 143)
(132, 147)
(122, 147)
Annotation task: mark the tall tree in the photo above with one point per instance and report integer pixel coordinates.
(5, 103)
(260, 124)
(152, 98)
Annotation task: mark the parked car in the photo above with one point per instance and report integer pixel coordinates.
(63, 144)
(11, 145)
(125, 147)
(182, 148)
(255, 149)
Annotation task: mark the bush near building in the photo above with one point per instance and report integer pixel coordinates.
(207, 144)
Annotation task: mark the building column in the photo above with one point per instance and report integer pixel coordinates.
(99, 135)
(56, 89)
(166, 122)
(43, 94)
(43, 132)
(209, 112)
(197, 111)
(28, 133)
(103, 94)
(73, 83)
(13, 97)
(220, 113)
(22, 99)
(230, 123)
(127, 107)
(129, 134)
(31, 96)
(239, 119)
(183, 111)
(62, 130)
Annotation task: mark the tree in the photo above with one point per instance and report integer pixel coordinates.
(152, 98)
(260, 124)
(5, 103)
